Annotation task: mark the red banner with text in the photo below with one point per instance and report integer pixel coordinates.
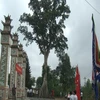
(19, 69)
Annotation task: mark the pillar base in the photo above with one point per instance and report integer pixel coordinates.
(4, 93)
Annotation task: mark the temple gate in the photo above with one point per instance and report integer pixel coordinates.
(5, 55)
(9, 46)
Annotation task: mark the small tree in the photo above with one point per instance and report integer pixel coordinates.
(67, 73)
(39, 82)
(28, 74)
(54, 82)
(32, 81)
(47, 23)
(88, 91)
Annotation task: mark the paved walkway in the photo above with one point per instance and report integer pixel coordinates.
(45, 99)
(38, 99)
(60, 99)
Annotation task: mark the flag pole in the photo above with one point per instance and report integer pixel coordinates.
(94, 51)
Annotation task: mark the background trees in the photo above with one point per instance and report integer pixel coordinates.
(28, 74)
(61, 79)
(88, 92)
(39, 82)
(47, 23)
(29, 81)
(67, 74)
(53, 82)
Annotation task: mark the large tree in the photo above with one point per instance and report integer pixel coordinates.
(47, 23)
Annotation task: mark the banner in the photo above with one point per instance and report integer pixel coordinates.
(95, 61)
(19, 69)
(77, 83)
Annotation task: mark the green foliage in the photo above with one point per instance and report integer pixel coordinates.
(47, 23)
(67, 74)
(53, 82)
(28, 74)
(60, 79)
(39, 82)
(88, 93)
(32, 81)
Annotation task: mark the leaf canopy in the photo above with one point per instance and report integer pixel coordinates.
(47, 23)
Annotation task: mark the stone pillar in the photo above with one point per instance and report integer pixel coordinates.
(19, 77)
(5, 56)
(14, 54)
(24, 75)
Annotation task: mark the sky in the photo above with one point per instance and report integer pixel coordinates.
(78, 31)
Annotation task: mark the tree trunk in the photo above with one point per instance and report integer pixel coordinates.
(44, 89)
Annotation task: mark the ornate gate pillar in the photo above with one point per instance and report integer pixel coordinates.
(13, 73)
(24, 75)
(19, 77)
(5, 55)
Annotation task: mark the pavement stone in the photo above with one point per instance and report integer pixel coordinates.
(27, 98)
(38, 99)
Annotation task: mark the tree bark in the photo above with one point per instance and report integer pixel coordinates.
(44, 89)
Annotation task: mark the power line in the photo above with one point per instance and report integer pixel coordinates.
(93, 7)
(88, 75)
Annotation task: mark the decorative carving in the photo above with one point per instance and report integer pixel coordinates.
(1, 93)
(5, 39)
(12, 76)
(19, 60)
(3, 65)
(14, 52)
(18, 85)
(7, 28)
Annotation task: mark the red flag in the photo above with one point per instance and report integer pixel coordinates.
(18, 69)
(77, 83)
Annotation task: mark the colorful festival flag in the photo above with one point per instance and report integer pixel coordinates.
(18, 69)
(95, 61)
(77, 83)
